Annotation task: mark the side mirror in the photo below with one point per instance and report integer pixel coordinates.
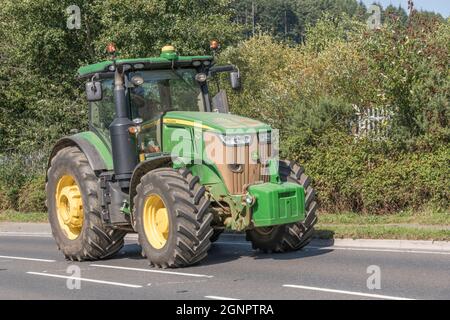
(94, 91)
(220, 102)
(235, 79)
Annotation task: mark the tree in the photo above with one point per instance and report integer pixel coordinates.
(40, 97)
(397, 13)
(288, 19)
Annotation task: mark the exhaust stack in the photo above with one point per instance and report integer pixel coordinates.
(123, 144)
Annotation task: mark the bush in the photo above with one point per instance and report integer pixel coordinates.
(336, 166)
(5, 204)
(12, 177)
(16, 172)
(373, 177)
(308, 92)
(412, 181)
(32, 196)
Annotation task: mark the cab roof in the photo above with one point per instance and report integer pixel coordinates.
(162, 62)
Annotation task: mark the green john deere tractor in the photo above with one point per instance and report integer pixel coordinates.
(165, 160)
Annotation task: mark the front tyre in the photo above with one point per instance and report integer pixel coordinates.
(74, 209)
(288, 237)
(172, 218)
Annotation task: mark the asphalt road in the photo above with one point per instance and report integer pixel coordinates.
(32, 268)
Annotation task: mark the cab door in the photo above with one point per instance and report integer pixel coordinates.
(101, 113)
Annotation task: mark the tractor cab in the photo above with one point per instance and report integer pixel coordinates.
(154, 87)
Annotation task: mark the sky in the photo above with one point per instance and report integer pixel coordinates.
(440, 6)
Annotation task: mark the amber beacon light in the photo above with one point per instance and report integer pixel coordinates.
(111, 48)
(214, 45)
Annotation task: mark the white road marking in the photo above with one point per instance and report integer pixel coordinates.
(85, 279)
(130, 237)
(353, 293)
(25, 234)
(219, 298)
(379, 250)
(26, 259)
(152, 270)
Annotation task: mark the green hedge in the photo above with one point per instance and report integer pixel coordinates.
(5, 203)
(414, 180)
(22, 182)
(308, 92)
(349, 176)
(32, 196)
(29, 197)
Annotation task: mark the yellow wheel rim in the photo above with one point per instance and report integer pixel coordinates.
(156, 221)
(69, 207)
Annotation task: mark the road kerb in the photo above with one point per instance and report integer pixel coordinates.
(43, 230)
(439, 246)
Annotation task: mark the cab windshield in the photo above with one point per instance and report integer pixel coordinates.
(165, 90)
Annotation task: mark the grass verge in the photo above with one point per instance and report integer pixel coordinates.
(426, 217)
(380, 232)
(408, 225)
(14, 216)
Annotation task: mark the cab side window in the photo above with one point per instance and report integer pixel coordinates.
(102, 112)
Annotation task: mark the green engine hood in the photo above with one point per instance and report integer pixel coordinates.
(215, 121)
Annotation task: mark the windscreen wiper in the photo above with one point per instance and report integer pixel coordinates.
(184, 80)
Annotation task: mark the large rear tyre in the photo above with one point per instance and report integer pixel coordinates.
(74, 209)
(288, 237)
(172, 218)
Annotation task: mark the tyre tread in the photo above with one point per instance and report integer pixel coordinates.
(99, 241)
(192, 216)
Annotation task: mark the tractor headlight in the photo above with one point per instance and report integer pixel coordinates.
(265, 137)
(249, 200)
(236, 140)
(201, 77)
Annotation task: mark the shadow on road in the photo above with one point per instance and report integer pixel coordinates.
(129, 251)
(223, 253)
(226, 250)
(219, 254)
